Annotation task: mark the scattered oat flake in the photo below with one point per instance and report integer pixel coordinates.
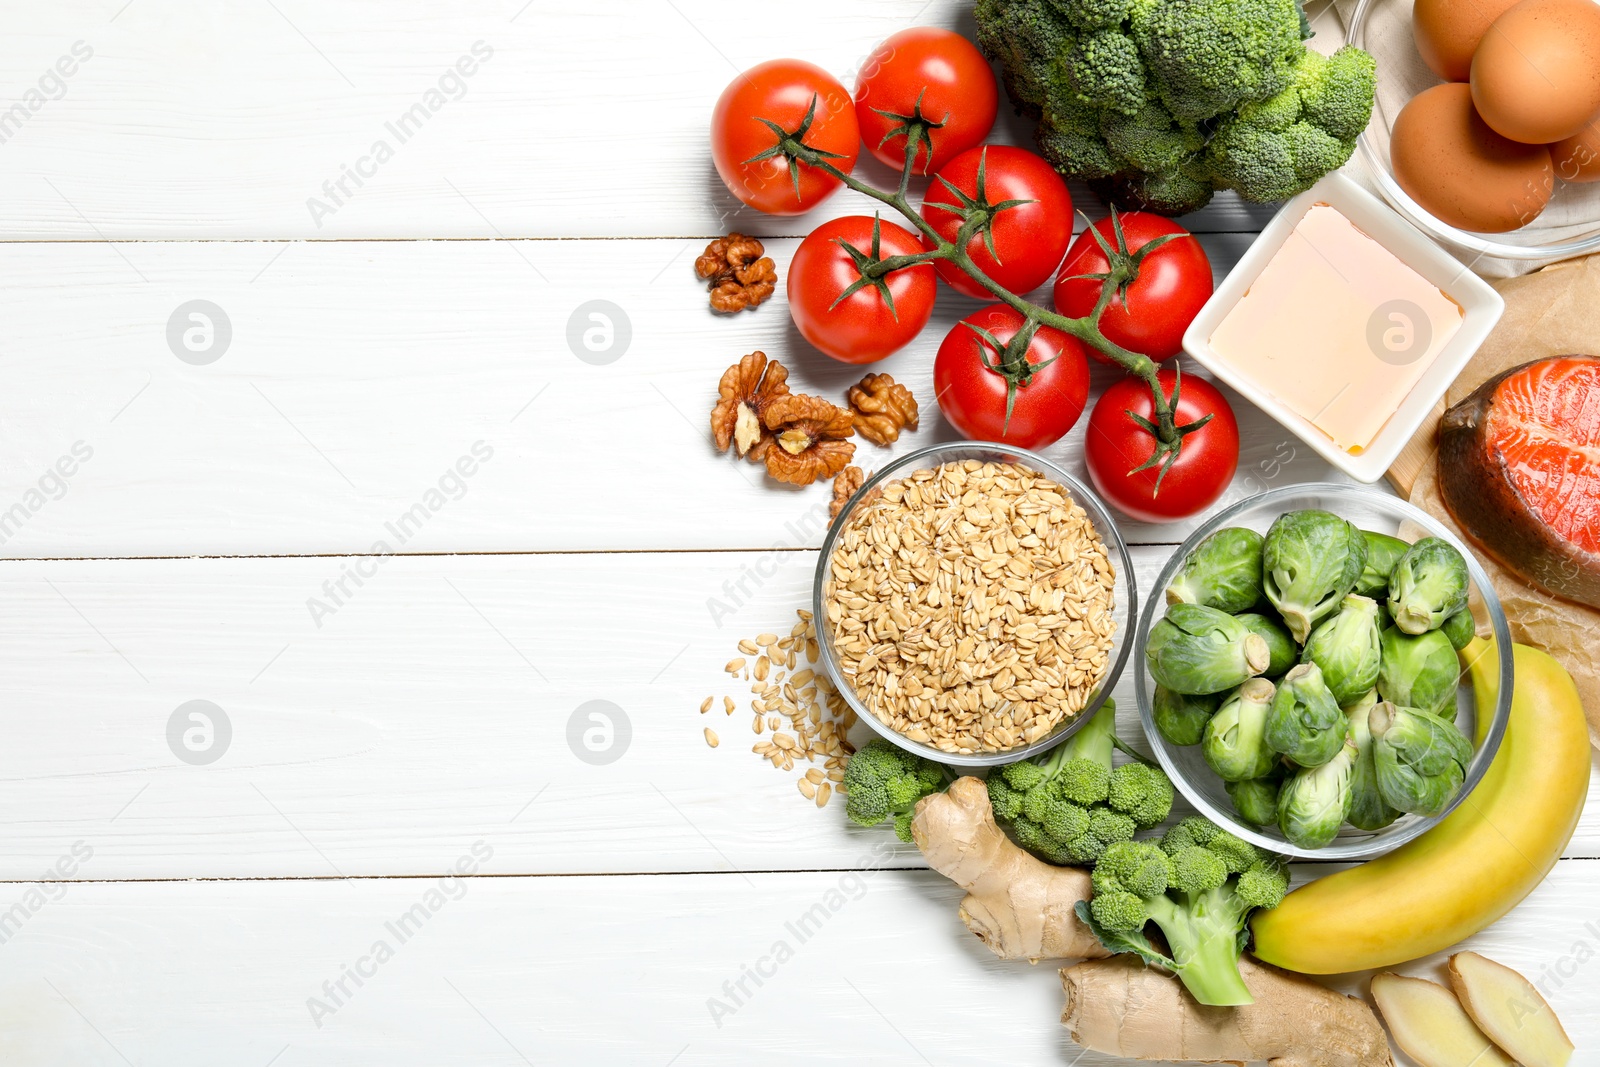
(735, 665)
(711, 737)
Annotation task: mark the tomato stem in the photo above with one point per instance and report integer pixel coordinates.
(1124, 269)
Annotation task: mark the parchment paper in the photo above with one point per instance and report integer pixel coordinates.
(1548, 313)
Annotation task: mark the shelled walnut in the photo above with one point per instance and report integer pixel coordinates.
(845, 485)
(882, 408)
(808, 439)
(746, 391)
(736, 272)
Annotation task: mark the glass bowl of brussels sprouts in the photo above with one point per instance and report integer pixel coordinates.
(1299, 671)
(1123, 606)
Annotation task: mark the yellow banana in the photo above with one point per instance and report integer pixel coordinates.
(1473, 867)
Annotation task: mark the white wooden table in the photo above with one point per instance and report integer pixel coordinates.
(156, 909)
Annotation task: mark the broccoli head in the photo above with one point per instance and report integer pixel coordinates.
(1158, 103)
(1069, 805)
(884, 782)
(1199, 885)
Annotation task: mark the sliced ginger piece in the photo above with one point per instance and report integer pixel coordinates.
(1510, 1011)
(1428, 1023)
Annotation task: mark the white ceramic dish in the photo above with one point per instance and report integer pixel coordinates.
(1480, 304)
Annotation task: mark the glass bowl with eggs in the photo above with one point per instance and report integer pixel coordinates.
(1486, 132)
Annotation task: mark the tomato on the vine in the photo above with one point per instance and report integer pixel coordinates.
(1027, 211)
(1120, 443)
(1161, 276)
(993, 385)
(930, 76)
(799, 97)
(836, 307)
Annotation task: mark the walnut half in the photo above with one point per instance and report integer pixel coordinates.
(883, 407)
(736, 272)
(845, 485)
(808, 439)
(746, 391)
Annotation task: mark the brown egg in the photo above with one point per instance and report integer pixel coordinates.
(1577, 159)
(1536, 74)
(1449, 161)
(1448, 32)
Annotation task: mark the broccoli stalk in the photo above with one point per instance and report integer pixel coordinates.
(1069, 804)
(1199, 886)
(884, 782)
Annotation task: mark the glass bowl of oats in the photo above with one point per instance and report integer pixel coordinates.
(974, 603)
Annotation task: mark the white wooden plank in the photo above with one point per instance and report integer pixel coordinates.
(586, 120)
(432, 705)
(510, 971)
(357, 374)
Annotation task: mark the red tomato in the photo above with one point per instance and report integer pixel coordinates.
(973, 396)
(782, 91)
(946, 74)
(1029, 238)
(1117, 444)
(1171, 283)
(863, 326)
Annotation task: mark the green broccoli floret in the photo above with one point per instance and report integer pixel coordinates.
(1338, 92)
(1094, 14)
(1174, 193)
(1142, 792)
(884, 782)
(1158, 103)
(1193, 887)
(1206, 57)
(1067, 806)
(1281, 146)
(1104, 70)
(1150, 139)
(1028, 37)
(1082, 155)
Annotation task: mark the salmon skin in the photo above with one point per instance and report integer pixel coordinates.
(1519, 471)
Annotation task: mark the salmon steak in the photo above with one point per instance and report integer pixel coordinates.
(1519, 471)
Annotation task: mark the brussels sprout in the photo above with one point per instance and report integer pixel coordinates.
(1368, 809)
(1305, 722)
(1180, 718)
(1199, 650)
(1460, 629)
(1419, 759)
(1255, 799)
(1346, 648)
(1314, 802)
(1310, 561)
(1383, 552)
(1420, 672)
(1223, 572)
(1235, 744)
(1282, 651)
(1428, 585)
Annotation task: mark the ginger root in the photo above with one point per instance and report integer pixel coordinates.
(1021, 907)
(1509, 1011)
(1428, 1022)
(1122, 1007)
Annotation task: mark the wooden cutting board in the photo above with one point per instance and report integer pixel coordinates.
(1418, 453)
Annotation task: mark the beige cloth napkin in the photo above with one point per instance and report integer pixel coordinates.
(1574, 209)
